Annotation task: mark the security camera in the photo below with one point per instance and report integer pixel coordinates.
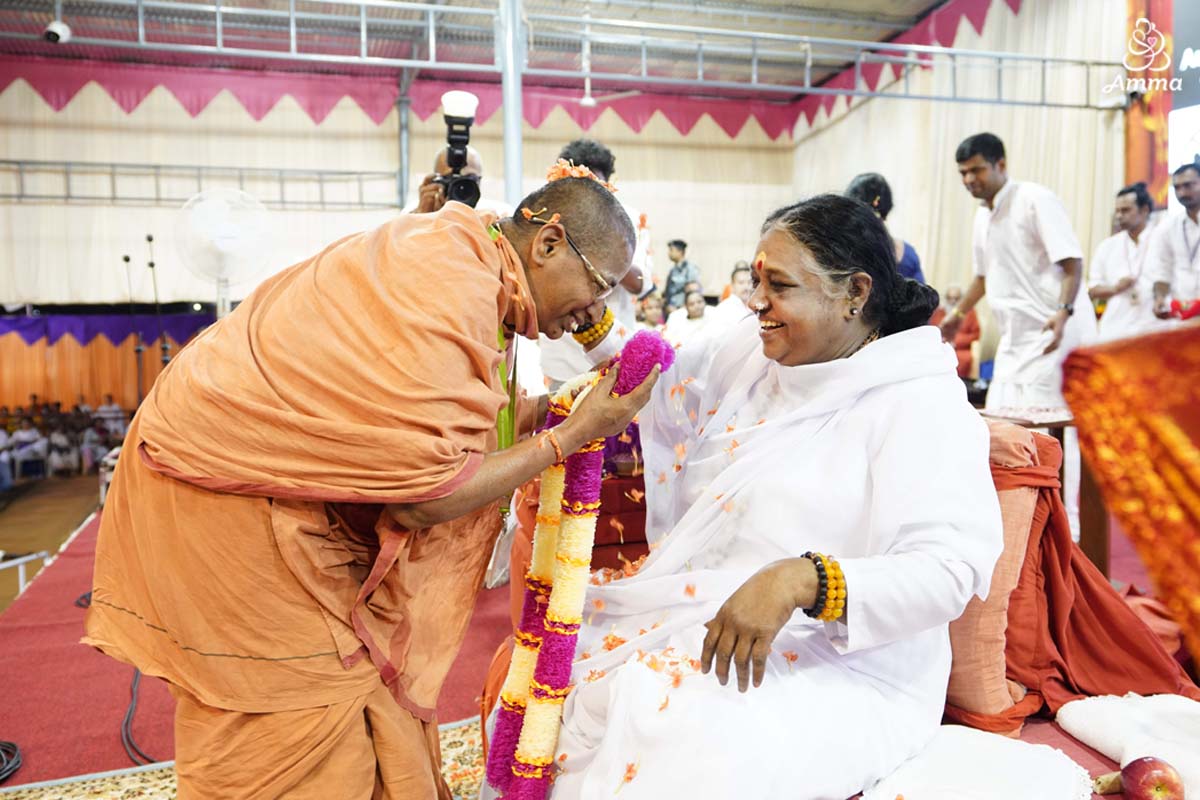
(57, 32)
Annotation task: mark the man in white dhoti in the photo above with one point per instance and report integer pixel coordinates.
(1175, 262)
(1118, 276)
(830, 420)
(1030, 264)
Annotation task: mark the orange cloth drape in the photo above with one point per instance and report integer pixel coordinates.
(1137, 404)
(67, 369)
(244, 553)
(1070, 634)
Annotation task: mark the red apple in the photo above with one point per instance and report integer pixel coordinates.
(1151, 779)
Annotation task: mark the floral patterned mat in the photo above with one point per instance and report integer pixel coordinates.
(462, 766)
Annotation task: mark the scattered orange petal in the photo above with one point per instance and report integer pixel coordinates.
(662, 477)
(562, 758)
(598, 604)
(635, 495)
(631, 771)
(612, 641)
(791, 657)
(680, 451)
(690, 590)
(585, 655)
(666, 701)
(761, 421)
(692, 415)
(711, 412)
(732, 446)
(619, 527)
(676, 678)
(678, 468)
(625, 438)
(594, 676)
(727, 507)
(730, 428)
(686, 381)
(718, 495)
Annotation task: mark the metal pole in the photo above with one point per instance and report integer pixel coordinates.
(403, 107)
(512, 63)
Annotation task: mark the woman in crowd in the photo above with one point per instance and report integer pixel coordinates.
(686, 322)
(871, 188)
(819, 509)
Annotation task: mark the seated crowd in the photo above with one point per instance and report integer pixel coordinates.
(42, 439)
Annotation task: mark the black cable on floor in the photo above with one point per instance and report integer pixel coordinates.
(135, 753)
(131, 749)
(10, 759)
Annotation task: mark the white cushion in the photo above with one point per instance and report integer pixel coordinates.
(967, 764)
(1164, 726)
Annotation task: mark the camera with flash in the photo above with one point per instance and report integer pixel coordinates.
(458, 109)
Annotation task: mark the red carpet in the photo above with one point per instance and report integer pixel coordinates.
(63, 703)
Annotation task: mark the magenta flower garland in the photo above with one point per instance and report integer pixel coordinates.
(523, 746)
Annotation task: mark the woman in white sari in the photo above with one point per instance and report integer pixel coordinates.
(831, 420)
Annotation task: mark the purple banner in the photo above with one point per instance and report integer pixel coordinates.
(114, 327)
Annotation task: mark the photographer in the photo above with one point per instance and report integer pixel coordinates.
(432, 195)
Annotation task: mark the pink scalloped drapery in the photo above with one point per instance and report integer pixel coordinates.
(939, 28)
(57, 81)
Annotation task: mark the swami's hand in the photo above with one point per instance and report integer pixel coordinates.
(746, 626)
(599, 414)
(1056, 325)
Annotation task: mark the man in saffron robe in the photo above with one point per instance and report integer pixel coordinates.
(306, 505)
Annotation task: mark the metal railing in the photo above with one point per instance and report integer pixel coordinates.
(172, 185)
(622, 52)
(19, 563)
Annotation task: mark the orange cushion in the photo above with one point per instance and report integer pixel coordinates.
(978, 681)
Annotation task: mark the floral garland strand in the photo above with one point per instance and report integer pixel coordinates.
(521, 759)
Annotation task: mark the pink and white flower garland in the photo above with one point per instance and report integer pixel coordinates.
(523, 746)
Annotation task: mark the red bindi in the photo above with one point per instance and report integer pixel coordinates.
(760, 261)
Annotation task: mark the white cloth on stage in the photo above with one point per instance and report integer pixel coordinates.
(1015, 247)
(878, 460)
(967, 764)
(1126, 728)
(1130, 313)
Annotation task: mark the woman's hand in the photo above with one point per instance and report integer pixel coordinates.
(746, 626)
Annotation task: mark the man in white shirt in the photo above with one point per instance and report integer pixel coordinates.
(563, 359)
(112, 415)
(1174, 263)
(1030, 264)
(1118, 276)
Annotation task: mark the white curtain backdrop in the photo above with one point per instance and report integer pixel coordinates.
(1079, 154)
